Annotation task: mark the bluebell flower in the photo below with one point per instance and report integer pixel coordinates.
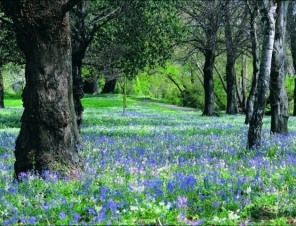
(62, 215)
(76, 216)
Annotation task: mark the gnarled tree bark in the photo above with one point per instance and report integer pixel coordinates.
(49, 135)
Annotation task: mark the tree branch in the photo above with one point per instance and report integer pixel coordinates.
(221, 78)
(100, 17)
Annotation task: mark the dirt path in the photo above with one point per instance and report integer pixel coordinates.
(171, 106)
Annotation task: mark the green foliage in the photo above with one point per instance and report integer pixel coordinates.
(290, 91)
(193, 96)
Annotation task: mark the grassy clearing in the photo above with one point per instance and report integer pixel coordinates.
(157, 166)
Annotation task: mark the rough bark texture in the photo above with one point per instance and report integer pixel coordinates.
(255, 55)
(109, 86)
(1, 91)
(268, 12)
(49, 135)
(231, 86)
(230, 66)
(79, 44)
(209, 109)
(278, 95)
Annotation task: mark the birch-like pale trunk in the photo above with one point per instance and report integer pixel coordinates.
(267, 10)
(278, 94)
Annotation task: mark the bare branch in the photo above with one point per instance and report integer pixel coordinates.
(101, 17)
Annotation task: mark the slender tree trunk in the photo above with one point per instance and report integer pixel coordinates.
(292, 31)
(109, 86)
(77, 88)
(244, 85)
(221, 79)
(255, 55)
(1, 91)
(267, 10)
(49, 135)
(209, 83)
(278, 95)
(95, 84)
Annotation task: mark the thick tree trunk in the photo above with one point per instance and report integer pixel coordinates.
(254, 133)
(209, 83)
(49, 135)
(109, 86)
(1, 90)
(278, 95)
(255, 55)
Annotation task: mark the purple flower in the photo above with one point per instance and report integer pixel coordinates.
(76, 216)
(181, 202)
(62, 215)
(216, 204)
(32, 220)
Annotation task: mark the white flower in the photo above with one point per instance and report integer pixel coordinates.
(249, 189)
(232, 215)
(134, 208)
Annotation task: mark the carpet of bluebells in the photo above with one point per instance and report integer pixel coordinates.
(156, 167)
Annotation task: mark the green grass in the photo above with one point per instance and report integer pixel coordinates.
(12, 100)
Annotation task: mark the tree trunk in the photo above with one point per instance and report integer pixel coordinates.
(217, 100)
(77, 88)
(231, 86)
(1, 91)
(255, 55)
(244, 85)
(254, 133)
(209, 83)
(49, 135)
(292, 31)
(230, 68)
(278, 95)
(95, 84)
(79, 41)
(109, 86)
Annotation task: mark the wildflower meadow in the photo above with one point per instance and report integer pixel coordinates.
(156, 166)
